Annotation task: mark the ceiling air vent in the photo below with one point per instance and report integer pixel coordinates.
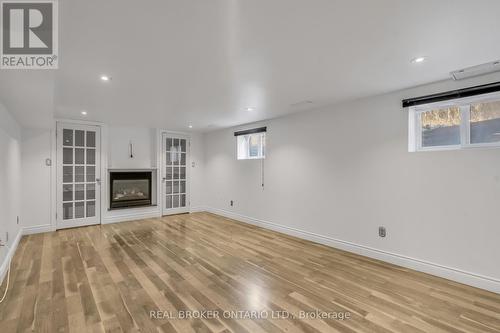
(487, 68)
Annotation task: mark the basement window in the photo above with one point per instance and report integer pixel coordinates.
(464, 123)
(251, 144)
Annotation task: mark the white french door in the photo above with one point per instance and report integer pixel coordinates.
(78, 175)
(175, 174)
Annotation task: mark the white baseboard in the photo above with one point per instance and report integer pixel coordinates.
(454, 274)
(38, 229)
(10, 253)
(197, 209)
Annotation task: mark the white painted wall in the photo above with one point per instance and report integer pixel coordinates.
(197, 172)
(10, 184)
(37, 179)
(144, 148)
(334, 175)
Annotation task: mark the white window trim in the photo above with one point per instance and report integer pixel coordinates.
(415, 125)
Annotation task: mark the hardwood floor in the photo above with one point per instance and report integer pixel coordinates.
(110, 278)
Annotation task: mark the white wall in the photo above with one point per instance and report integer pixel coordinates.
(197, 172)
(10, 183)
(37, 179)
(144, 148)
(334, 175)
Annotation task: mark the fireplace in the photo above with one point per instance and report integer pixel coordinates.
(130, 189)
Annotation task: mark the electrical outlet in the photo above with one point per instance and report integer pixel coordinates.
(231, 203)
(382, 232)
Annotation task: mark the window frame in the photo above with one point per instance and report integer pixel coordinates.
(262, 147)
(464, 105)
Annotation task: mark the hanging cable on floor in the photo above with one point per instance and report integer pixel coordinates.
(8, 279)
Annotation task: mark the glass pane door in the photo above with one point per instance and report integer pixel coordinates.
(78, 152)
(175, 174)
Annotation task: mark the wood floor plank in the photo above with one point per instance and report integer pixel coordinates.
(142, 276)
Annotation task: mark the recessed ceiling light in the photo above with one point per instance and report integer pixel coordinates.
(249, 109)
(105, 78)
(84, 113)
(190, 126)
(418, 60)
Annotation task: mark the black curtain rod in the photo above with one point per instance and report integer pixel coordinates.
(251, 131)
(453, 94)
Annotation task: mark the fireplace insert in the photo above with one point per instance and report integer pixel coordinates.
(130, 189)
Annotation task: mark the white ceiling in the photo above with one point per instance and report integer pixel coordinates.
(180, 62)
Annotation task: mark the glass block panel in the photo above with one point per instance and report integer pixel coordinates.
(79, 156)
(169, 174)
(441, 127)
(90, 208)
(90, 156)
(67, 211)
(90, 191)
(183, 200)
(168, 203)
(182, 172)
(182, 188)
(67, 174)
(485, 122)
(183, 145)
(67, 137)
(176, 187)
(90, 139)
(169, 144)
(79, 210)
(183, 159)
(67, 155)
(175, 201)
(79, 138)
(91, 174)
(79, 192)
(79, 174)
(68, 192)
(168, 187)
